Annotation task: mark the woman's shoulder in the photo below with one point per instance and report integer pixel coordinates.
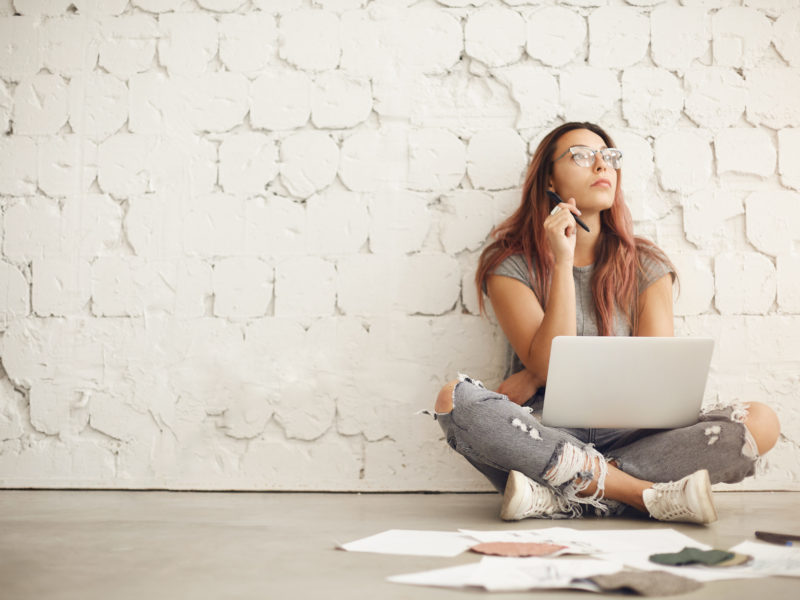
(653, 264)
(516, 267)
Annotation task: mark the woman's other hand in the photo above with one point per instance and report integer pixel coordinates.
(519, 387)
(561, 230)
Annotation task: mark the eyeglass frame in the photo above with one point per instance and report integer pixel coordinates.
(594, 155)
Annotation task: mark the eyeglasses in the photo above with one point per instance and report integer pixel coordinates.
(584, 156)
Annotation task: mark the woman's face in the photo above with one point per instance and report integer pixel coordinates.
(593, 187)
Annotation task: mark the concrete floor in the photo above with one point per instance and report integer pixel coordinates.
(114, 545)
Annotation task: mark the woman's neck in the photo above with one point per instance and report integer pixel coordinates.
(586, 244)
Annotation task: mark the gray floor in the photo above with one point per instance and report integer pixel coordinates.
(116, 545)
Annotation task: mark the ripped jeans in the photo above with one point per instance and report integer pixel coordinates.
(497, 436)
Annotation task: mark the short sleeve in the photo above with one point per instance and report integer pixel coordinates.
(653, 268)
(515, 267)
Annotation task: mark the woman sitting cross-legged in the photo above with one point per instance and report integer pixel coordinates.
(546, 277)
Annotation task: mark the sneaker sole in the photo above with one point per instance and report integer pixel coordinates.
(699, 489)
(512, 498)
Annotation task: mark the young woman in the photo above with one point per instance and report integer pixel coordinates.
(545, 277)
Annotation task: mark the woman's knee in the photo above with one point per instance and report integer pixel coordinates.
(444, 401)
(762, 423)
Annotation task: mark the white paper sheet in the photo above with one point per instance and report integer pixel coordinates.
(770, 559)
(499, 574)
(413, 542)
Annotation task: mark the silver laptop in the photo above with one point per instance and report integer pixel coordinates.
(626, 382)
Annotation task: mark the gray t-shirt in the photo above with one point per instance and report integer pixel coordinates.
(586, 321)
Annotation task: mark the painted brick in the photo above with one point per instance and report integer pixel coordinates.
(639, 168)
(69, 45)
(40, 105)
(98, 105)
(469, 292)
(741, 36)
(340, 5)
(17, 165)
(6, 104)
(399, 222)
(12, 406)
(187, 43)
(534, 90)
(221, 5)
(129, 286)
(310, 39)
(705, 214)
(215, 101)
(15, 302)
(437, 160)
(67, 164)
(339, 100)
(41, 7)
(788, 157)
(588, 93)
(338, 222)
(275, 227)
(56, 409)
(242, 287)
(214, 225)
(309, 161)
(280, 100)
(100, 7)
(467, 218)
(696, 284)
(20, 56)
(277, 7)
(247, 43)
(618, 37)
(652, 99)
(61, 287)
(421, 283)
(247, 163)
(683, 160)
(305, 287)
(555, 35)
(122, 164)
(680, 35)
(785, 36)
(758, 159)
(773, 221)
(768, 103)
(157, 6)
(745, 283)
(419, 39)
(374, 159)
(496, 159)
(788, 272)
(128, 45)
(715, 97)
(495, 36)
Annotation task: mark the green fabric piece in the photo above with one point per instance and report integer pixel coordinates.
(646, 583)
(690, 556)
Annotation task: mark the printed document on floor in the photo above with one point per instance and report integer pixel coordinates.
(413, 542)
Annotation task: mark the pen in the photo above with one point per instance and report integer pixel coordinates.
(557, 200)
(782, 539)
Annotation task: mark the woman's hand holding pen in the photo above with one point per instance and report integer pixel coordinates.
(561, 231)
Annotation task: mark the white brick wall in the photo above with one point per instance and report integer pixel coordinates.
(238, 239)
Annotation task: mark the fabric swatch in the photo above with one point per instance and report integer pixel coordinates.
(690, 556)
(646, 583)
(516, 549)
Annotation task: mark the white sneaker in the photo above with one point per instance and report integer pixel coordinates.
(688, 500)
(524, 498)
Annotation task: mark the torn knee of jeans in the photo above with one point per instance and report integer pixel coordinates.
(572, 470)
(530, 430)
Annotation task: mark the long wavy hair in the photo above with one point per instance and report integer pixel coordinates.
(619, 251)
